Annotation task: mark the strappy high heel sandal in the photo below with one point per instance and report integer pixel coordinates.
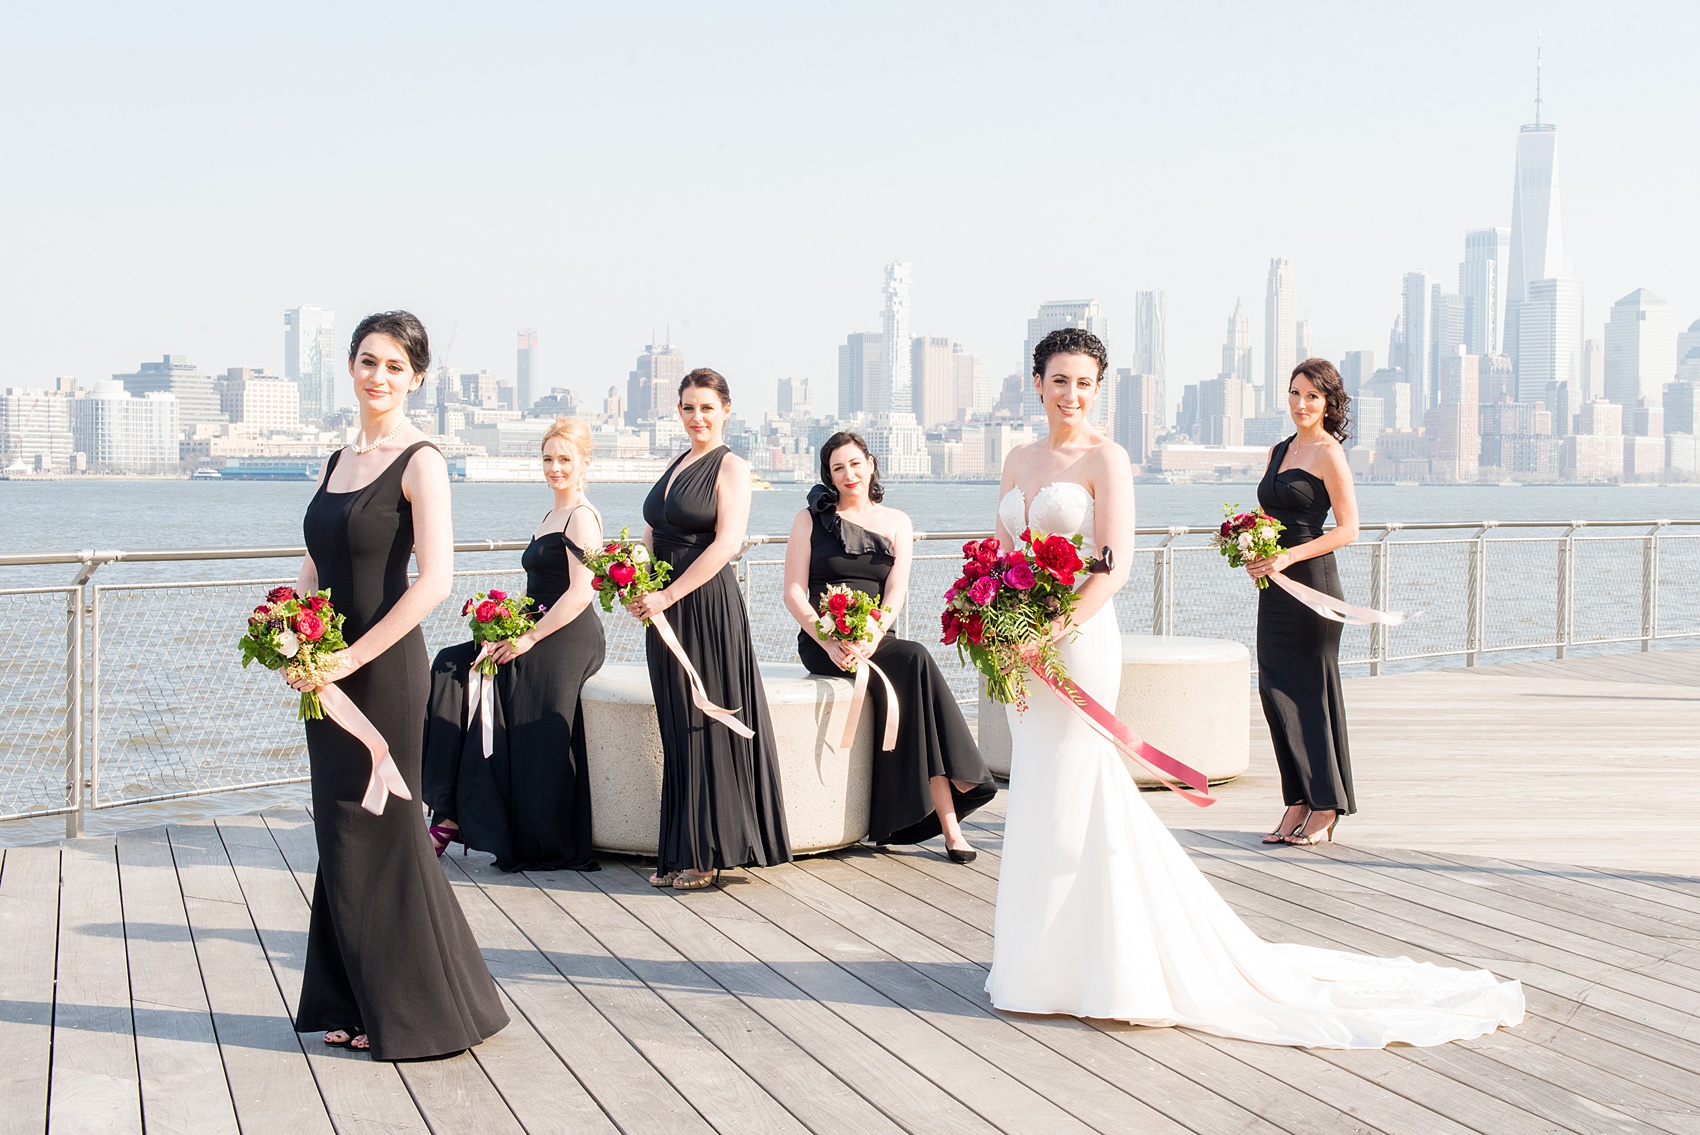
(441, 837)
(663, 878)
(695, 880)
(1300, 839)
(1279, 836)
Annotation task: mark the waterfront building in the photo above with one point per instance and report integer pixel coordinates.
(793, 397)
(1682, 456)
(1536, 249)
(1139, 414)
(894, 330)
(1150, 336)
(1221, 412)
(1416, 361)
(1640, 348)
(1054, 316)
(1389, 385)
(1591, 458)
(1368, 420)
(1643, 458)
(560, 402)
(1593, 383)
(976, 392)
(259, 400)
(1454, 426)
(518, 437)
(613, 406)
(1236, 349)
(1600, 419)
(1688, 352)
(900, 444)
(1481, 279)
(1446, 335)
(1356, 369)
(527, 381)
(932, 370)
(1184, 462)
(1645, 419)
(1561, 401)
(195, 393)
(35, 429)
(1517, 440)
(861, 378)
(1265, 428)
(652, 388)
(121, 432)
(1280, 331)
(1682, 408)
(1549, 337)
(310, 357)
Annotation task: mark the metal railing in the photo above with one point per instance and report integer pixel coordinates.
(129, 692)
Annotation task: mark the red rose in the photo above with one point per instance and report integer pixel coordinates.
(317, 604)
(838, 602)
(1227, 527)
(280, 594)
(951, 625)
(974, 628)
(973, 570)
(1059, 556)
(843, 625)
(466, 608)
(613, 546)
(596, 582)
(1026, 535)
(988, 551)
(309, 626)
(622, 574)
(487, 612)
(498, 596)
(1013, 559)
(971, 549)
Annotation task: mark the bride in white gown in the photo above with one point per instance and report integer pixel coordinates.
(1100, 911)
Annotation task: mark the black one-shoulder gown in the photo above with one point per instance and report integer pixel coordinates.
(721, 804)
(389, 952)
(1298, 652)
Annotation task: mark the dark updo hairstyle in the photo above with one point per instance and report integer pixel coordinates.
(1070, 341)
(708, 380)
(876, 491)
(1337, 411)
(402, 326)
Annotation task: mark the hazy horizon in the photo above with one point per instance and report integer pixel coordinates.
(742, 173)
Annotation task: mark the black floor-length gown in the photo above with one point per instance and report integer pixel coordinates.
(721, 804)
(389, 952)
(529, 803)
(932, 737)
(1298, 652)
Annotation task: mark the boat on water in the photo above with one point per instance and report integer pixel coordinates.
(206, 474)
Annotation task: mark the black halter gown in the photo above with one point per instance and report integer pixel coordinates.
(388, 949)
(932, 737)
(529, 803)
(721, 804)
(1298, 652)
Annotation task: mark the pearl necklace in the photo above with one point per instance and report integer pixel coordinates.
(387, 437)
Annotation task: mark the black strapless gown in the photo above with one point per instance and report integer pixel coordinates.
(1298, 652)
(721, 803)
(388, 949)
(932, 737)
(529, 803)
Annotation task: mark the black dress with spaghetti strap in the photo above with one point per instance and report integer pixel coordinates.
(932, 737)
(388, 949)
(721, 803)
(528, 803)
(1298, 651)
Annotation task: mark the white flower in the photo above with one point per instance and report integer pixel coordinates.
(287, 644)
(640, 554)
(1266, 533)
(1245, 541)
(826, 623)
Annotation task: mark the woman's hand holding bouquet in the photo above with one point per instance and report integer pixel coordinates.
(624, 570)
(1246, 537)
(498, 619)
(300, 635)
(851, 623)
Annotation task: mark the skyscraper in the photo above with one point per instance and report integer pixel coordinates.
(1236, 349)
(861, 388)
(1536, 251)
(1549, 339)
(652, 387)
(526, 377)
(1054, 316)
(1139, 414)
(932, 368)
(1149, 347)
(1280, 331)
(1356, 369)
(1481, 284)
(196, 394)
(1415, 313)
(899, 381)
(794, 397)
(1446, 335)
(1640, 349)
(310, 357)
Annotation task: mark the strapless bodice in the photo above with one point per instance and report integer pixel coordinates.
(1061, 507)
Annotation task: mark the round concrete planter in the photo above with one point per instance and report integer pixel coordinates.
(1190, 697)
(826, 797)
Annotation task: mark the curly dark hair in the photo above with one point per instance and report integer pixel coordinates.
(1337, 411)
(1070, 341)
(402, 326)
(876, 491)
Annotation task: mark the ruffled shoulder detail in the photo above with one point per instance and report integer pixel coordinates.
(857, 541)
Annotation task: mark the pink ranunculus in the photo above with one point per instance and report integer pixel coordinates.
(487, 612)
(985, 589)
(498, 596)
(1020, 576)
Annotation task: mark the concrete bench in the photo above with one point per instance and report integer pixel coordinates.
(826, 797)
(1190, 697)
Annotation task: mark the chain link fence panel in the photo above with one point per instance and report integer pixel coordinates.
(35, 683)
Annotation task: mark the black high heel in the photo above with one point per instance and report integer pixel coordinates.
(961, 856)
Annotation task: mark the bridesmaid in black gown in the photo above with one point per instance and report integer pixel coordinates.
(391, 964)
(1298, 651)
(721, 804)
(934, 777)
(528, 804)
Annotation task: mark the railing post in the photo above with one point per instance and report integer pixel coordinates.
(1650, 587)
(1380, 564)
(75, 610)
(1567, 589)
(1475, 602)
(1163, 586)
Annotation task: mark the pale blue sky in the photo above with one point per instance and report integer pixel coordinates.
(179, 174)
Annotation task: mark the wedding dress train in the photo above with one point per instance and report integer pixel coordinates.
(1101, 913)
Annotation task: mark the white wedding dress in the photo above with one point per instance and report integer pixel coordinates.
(1102, 914)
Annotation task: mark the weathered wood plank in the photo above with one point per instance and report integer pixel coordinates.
(94, 1083)
(182, 1073)
(29, 927)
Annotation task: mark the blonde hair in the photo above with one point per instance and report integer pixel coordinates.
(574, 431)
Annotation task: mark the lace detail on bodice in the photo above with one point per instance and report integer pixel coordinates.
(1065, 507)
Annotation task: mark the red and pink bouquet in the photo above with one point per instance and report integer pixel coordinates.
(497, 617)
(624, 570)
(848, 615)
(295, 633)
(1000, 613)
(1247, 536)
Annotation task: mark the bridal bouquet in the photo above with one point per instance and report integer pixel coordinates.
(624, 570)
(999, 613)
(294, 633)
(1247, 536)
(848, 615)
(497, 617)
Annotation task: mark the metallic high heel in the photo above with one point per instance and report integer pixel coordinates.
(1279, 836)
(1314, 838)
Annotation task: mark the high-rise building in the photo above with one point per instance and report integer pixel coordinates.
(1536, 250)
(1640, 348)
(1688, 347)
(1682, 408)
(652, 388)
(527, 379)
(1446, 334)
(1221, 411)
(1499, 381)
(1054, 316)
(1303, 348)
(899, 380)
(861, 379)
(1280, 331)
(310, 358)
(1481, 285)
(1593, 370)
(1389, 385)
(1454, 428)
(259, 400)
(975, 389)
(932, 370)
(119, 432)
(1139, 414)
(1356, 369)
(1236, 349)
(794, 397)
(196, 394)
(1150, 348)
(1549, 338)
(1416, 319)
(35, 429)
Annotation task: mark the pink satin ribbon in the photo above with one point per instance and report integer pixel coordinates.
(1170, 773)
(386, 777)
(1336, 609)
(699, 693)
(481, 700)
(859, 692)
